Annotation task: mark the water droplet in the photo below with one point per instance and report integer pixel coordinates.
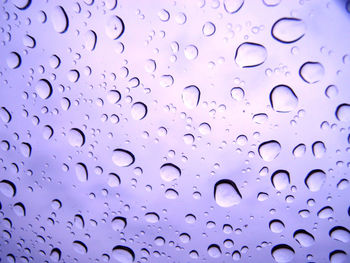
(43, 88)
(119, 223)
(204, 128)
(150, 66)
(7, 188)
(163, 15)
(343, 112)
(276, 226)
(81, 172)
(188, 138)
(5, 115)
(299, 150)
(331, 91)
(113, 180)
(123, 254)
(304, 238)
(166, 81)
(114, 27)
(171, 194)
(233, 6)
(55, 255)
(282, 253)
(122, 158)
(113, 96)
(338, 256)
(280, 179)
(325, 212)
(283, 99)
(80, 247)
(47, 132)
(340, 233)
(19, 209)
(54, 61)
(250, 55)
(191, 96)
(236, 255)
(76, 137)
(226, 193)
(237, 93)
(318, 149)
(269, 150)
(191, 52)
(26, 149)
(315, 180)
(312, 72)
(343, 184)
(13, 60)
(111, 4)
(79, 221)
(208, 29)
(73, 75)
(138, 111)
(29, 41)
(60, 19)
(90, 40)
(272, 2)
(214, 251)
(169, 172)
(21, 4)
(152, 217)
(288, 30)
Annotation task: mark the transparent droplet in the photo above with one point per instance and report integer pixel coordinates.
(237, 93)
(331, 91)
(123, 254)
(43, 88)
(138, 111)
(304, 238)
(214, 251)
(73, 75)
(191, 52)
(283, 99)
(7, 188)
(5, 115)
(166, 81)
(114, 27)
(113, 180)
(271, 2)
(122, 158)
(60, 19)
(312, 72)
(338, 256)
(280, 179)
(13, 60)
(152, 217)
(55, 255)
(250, 55)
(113, 96)
(315, 180)
(90, 40)
(340, 233)
(269, 150)
(282, 253)
(233, 6)
(208, 29)
(343, 112)
(119, 223)
(171, 194)
(21, 4)
(81, 172)
(226, 193)
(288, 30)
(204, 128)
(191, 96)
(80, 247)
(19, 209)
(150, 66)
(276, 226)
(79, 221)
(47, 132)
(169, 172)
(26, 149)
(76, 137)
(325, 212)
(318, 149)
(29, 41)
(163, 15)
(299, 150)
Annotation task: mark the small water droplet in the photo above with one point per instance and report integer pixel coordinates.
(80, 247)
(280, 179)
(7, 188)
(119, 223)
(214, 251)
(191, 52)
(208, 29)
(340, 233)
(13, 60)
(304, 238)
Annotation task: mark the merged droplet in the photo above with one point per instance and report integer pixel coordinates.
(191, 96)
(343, 112)
(283, 99)
(138, 111)
(233, 6)
(269, 150)
(43, 88)
(282, 253)
(169, 172)
(81, 172)
(250, 55)
(288, 29)
(123, 254)
(60, 19)
(312, 72)
(304, 238)
(76, 137)
(122, 158)
(315, 180)
(226, 193)
(114, 27)
(280, 179)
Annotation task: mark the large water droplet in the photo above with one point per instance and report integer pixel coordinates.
(5, 115)
(152, 217)
(343, 112)
(338, 256)
(119, 223)
(226, 193)
(138, 111)
(19, 209)
(283, 99)
(169, 172)
(13, 60)
(304, 238)
(123, 254)
(315, 180)
(276, 226)
(122, 158)
(318, 149)
(282, 253)
(80, 247)
(60, 19)
(340, 233)
(280, 179)
(299, 150)
(21, 4)
(81, 172)
(288, 30)
(43, 88)
(250, 55)
(76, 137)
(191, 52)
(114, 27)
(90, 40)
(55, 255)
(208, 29)
(312, 72)
(214, 251)
(325, 212)
(269, 150)
(26, 149)
(233, 6)
(7, 188)
(237, 93)
(191, 96)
